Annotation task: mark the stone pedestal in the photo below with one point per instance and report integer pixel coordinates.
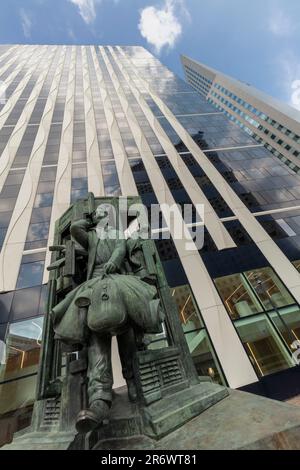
(238, 421)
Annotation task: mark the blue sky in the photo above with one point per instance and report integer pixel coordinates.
(255, 41)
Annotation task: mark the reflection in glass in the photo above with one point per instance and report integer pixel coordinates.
(237, 296)
(15, 397)
(38, 231)
(287, 320)
(26, 303)
(31, 274)
(269, 288)
(111, 184)
(188, 313)
(22, 349)
(203, 355)
(263, 345)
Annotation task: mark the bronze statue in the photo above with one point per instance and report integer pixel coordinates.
(102, 284)
(114, 300)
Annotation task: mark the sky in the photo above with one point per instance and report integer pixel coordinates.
(256, 41)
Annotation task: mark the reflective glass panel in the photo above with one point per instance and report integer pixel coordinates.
(237, 296)
(265, 349)
(269, 288)
(287, 320)
(31, 274)
(203, 355)
(188, 312)
(22, 348)
(16, 395)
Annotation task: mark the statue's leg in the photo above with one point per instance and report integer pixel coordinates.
(100, 378)
(100, 382)
(127, 349)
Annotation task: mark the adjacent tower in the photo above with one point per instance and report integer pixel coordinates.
(266, 119)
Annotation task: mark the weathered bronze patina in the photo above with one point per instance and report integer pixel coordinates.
(103, 283)
(112, 301)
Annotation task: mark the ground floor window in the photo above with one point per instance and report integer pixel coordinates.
(21, 349)
(203, 355)
(195, 333)
(265, 349)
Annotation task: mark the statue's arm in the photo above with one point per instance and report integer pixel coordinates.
(79, 231)
(119, 254)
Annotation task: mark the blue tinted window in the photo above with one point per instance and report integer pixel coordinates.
(31, 274)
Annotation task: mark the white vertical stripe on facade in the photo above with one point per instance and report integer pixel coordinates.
(127, 183)
(94, 171)
(19, 52)
(284, 268)
(63, 181)
(14, 141)
(20, 58)
(12, 251)
(5, 111)
(214, 225)
(234, 360)
(8, 52)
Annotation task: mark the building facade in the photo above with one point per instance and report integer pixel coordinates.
(266, 119)
(115, 121)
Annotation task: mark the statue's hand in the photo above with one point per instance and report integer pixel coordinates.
(110, 267)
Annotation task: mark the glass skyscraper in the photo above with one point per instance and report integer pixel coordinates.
(115, 121)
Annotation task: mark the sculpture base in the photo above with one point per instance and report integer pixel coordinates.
(240, 421)
(160, 418)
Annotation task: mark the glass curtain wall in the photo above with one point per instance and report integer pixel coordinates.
(265, 315)
(197, 338)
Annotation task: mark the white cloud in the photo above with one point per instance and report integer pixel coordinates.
(288, 65)
(280, 24)
(87, 9)
(26, 22)
(71, 34)
(295, 100)
(160, 26)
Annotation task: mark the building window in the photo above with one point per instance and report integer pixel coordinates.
(204, 356)
(269, 338)
(252, 292)
(287, 321)
(188, 313)
(269, 288)
(196, 336)
(266, 351)
(22, 349)
(31, 273)
(16, 395)
(237, 295)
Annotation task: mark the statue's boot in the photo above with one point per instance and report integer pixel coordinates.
(91, 418)
(131, 389)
